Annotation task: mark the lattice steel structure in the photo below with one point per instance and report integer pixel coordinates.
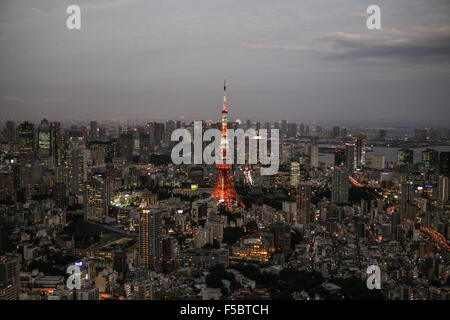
(224, 190)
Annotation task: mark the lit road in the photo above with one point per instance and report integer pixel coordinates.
(355, 182)
(433, 236)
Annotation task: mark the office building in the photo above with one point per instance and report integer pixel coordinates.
(430, 159)
(339, 185)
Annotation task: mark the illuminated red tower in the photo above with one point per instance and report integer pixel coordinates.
(224, 190)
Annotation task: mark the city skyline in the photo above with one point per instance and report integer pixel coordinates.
(106, 213)
(323, 174)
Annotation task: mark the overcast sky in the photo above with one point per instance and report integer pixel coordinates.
(284, 59)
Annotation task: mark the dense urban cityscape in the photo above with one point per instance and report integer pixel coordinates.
(106, 197)
(318, 182)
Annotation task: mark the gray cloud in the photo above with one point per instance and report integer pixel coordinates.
(15, 99)
(254, 46)
(416, 42)
(359, 15)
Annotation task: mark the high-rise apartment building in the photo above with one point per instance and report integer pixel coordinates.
(360, 156)
(304, 204)
(313, 152)
(150, 241)
(97, 198)
(76, 165)
(351, 157)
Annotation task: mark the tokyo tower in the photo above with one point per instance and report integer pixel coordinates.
(224, 190)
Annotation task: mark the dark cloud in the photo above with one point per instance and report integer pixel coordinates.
(415, 43)
(255, 46)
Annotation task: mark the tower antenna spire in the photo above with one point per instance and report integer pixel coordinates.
(225, 94)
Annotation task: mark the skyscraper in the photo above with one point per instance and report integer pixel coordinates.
(97, 198)
(157, 133)
(26, 136)
(407, 194)
(344, 132)
(360, 151)
(351, 157)
(307, 131)
(57, 143)
(120, 263)
(76, 161)
(170, 127)
(340, 156)
(443, 188)
(145, 145)
(444, 163)
(295, 174)
(304, 204)
(93, 132)
(396, 224)
(125, 148)
(313, 152)
(292, 130)
(284, 128)
(302, 130)
(150, 241)
(11, 132)
(430, 159)
(339, 185)
(3, 235)
(282, 237)
(336, 132)
(44, 139)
